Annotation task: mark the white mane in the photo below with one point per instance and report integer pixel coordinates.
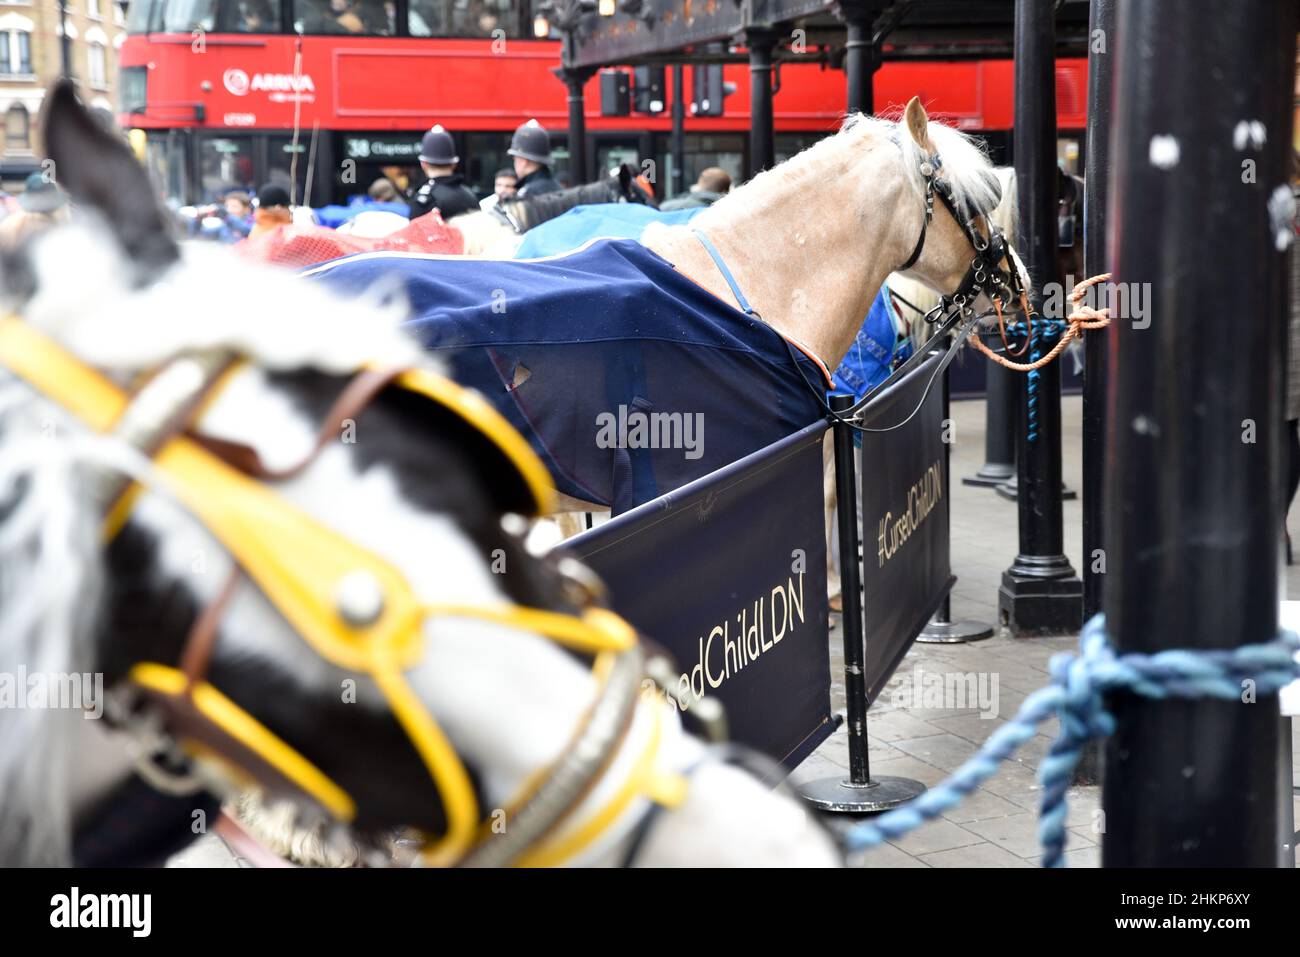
(966, 166)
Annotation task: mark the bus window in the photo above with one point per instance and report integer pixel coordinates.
(249, 16)
(360, 17)
(144, 16)
(225, 163)
(184, 16)
(464, 18)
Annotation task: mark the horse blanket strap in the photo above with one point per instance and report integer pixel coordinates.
(301, 567)
(718, 261)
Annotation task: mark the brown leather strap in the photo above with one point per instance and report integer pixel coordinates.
(196, 654)
(353, 400)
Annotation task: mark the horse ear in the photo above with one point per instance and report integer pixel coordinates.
(918, 124)
(97, 169)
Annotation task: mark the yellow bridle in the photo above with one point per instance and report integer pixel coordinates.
(299, 563)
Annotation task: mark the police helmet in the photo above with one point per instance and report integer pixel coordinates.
(531, 141)
(438, 148)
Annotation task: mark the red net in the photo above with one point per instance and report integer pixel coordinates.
(297, 246)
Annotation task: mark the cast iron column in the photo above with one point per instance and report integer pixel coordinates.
(762, 143)
(1040, 592)
(1101, 33)
(1199, 221)
(861, 60)
(575, 80)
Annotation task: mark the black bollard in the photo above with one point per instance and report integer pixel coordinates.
(859, 792)
(1201, 139)
(1040, 592)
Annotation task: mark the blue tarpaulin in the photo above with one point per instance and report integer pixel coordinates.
(603, 220)
(628, 378)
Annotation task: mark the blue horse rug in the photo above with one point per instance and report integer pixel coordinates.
(628, 378)
(869, 360)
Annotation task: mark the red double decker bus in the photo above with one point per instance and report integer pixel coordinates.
(323, 96)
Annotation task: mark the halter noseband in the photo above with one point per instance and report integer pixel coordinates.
(984, 275)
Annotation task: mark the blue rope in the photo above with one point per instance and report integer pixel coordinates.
(1038, 329)
(1075, 696)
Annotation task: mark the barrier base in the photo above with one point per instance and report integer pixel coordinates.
(842, 796)
(953, 632)
(991, 474)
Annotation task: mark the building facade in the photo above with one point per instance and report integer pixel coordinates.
(31, 54)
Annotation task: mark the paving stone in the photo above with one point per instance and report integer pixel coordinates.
(980, 806)
(935, 836)
(886, 855)
(890, 726)
(1017, 833)
(945, 751)
(975, 855)
(974, 728)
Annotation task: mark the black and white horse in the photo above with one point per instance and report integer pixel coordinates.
(115, 292)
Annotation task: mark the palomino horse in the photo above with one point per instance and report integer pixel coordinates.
(358, 629)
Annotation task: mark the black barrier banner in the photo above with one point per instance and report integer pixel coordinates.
(728, 573)
(906, 570)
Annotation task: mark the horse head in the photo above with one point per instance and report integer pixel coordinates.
(294, 556)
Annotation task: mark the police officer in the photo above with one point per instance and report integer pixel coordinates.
(446, 190)
(531, 148)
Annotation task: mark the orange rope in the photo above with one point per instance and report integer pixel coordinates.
(1081, 318)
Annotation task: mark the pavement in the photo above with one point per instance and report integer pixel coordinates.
(996, 826)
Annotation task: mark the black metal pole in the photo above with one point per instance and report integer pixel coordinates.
(1040, 592)
(762, 143)
(679, 130)
(855, 679)
(1101, 32)
(1202, 135)
(999, 423)
(859, 792)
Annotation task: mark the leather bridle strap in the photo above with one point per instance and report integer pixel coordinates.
(363, 388)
